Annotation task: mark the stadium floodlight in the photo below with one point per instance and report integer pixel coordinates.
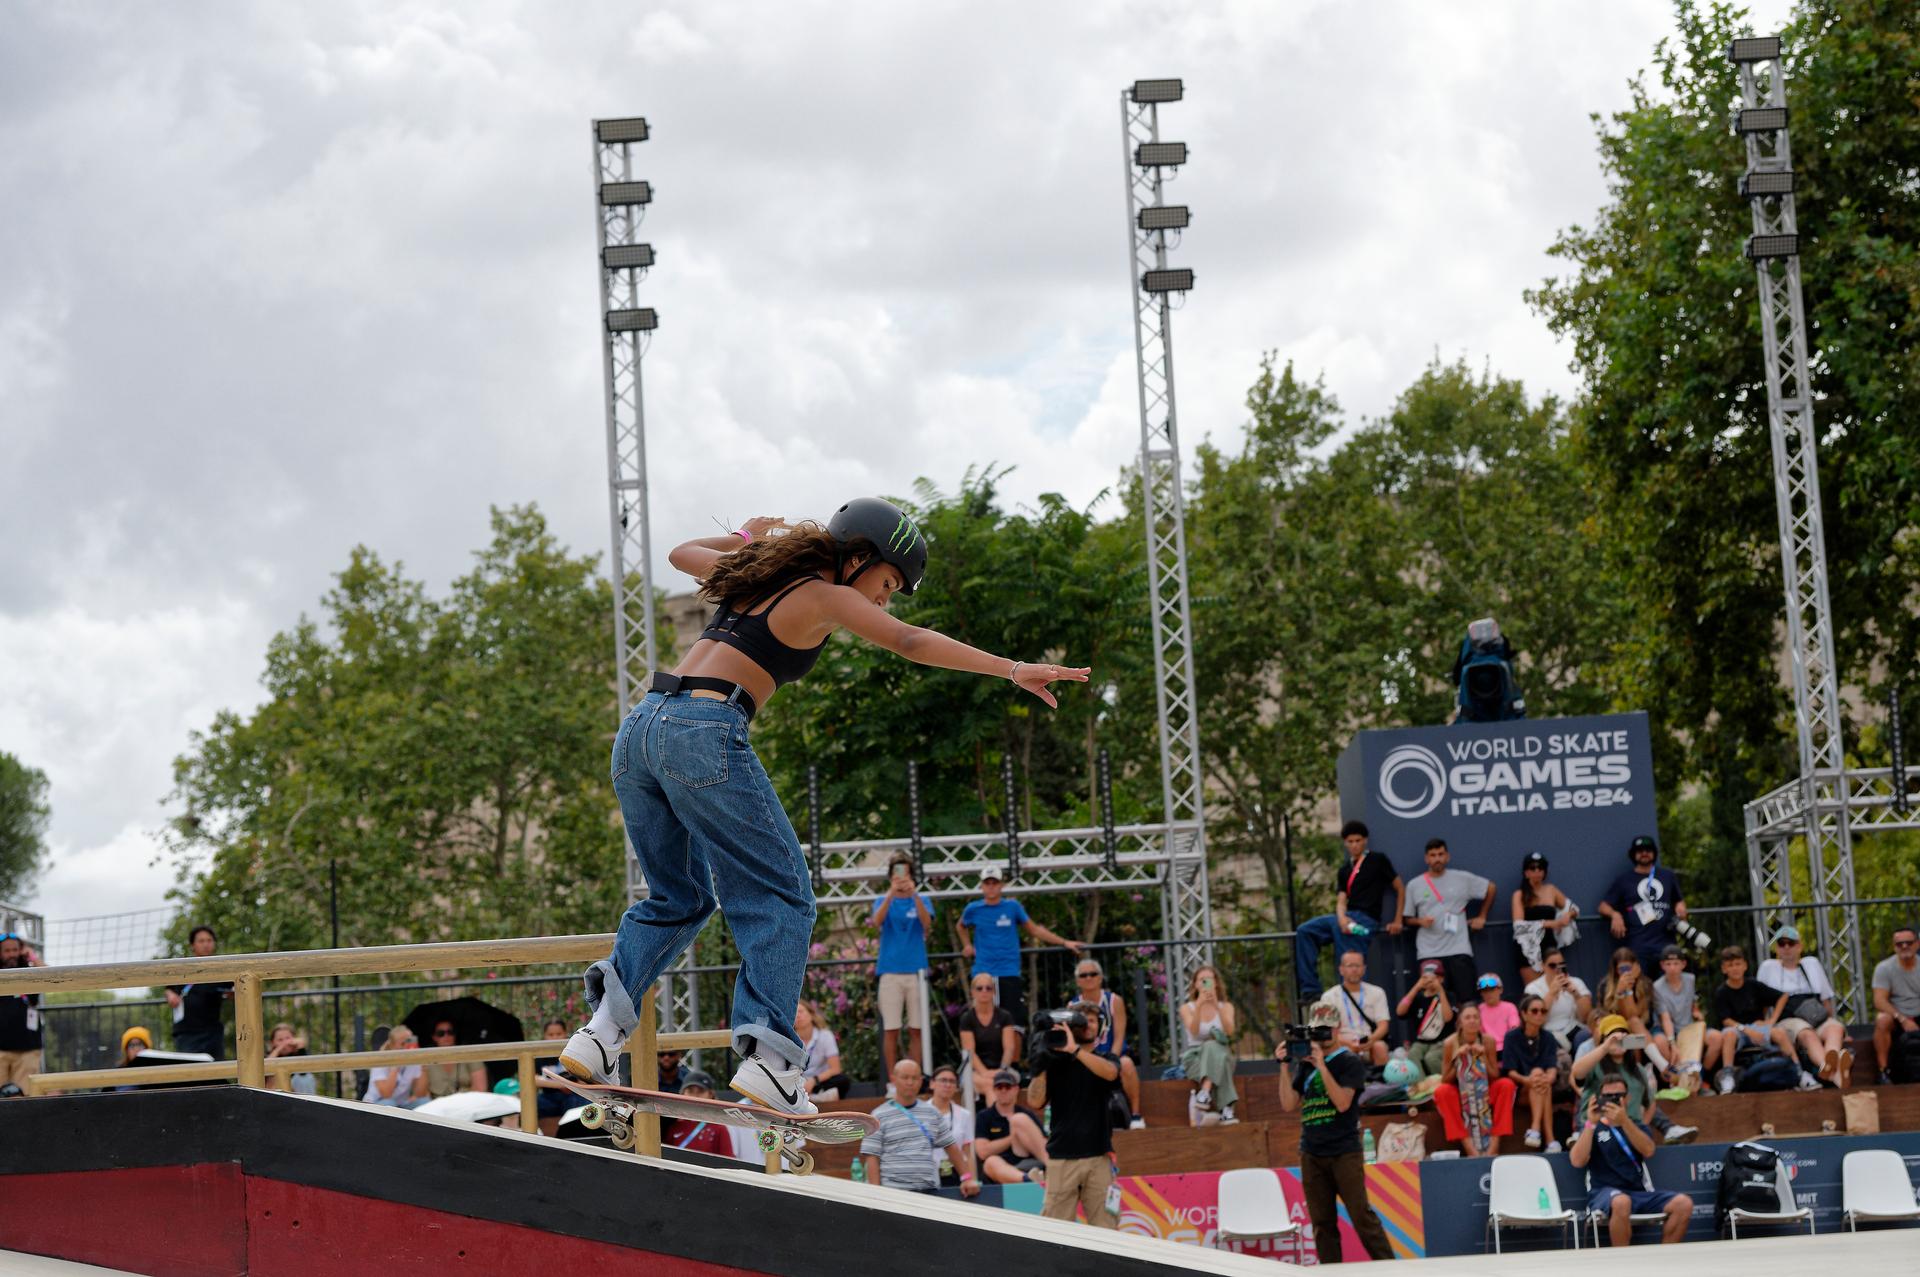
(1769, 247)
(612, 193)
(1165, 217)
(1160, 154)
(643, 320)
(1766, 182)
(627, 256)
(1760, 119)
(612, 131)
(1166, 281)
(1754, 48)
(1157, 90)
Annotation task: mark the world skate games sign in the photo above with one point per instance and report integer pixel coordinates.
(1575, 789)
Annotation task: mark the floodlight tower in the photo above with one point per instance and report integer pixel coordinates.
(620, 205)
(1774, 250)
(1184, 904)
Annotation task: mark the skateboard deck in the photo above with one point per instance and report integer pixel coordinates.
(613, 1108)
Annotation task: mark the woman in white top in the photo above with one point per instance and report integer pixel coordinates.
(1210, 1024)
(820, 1074)
(946, 1091)
(1809, 1019)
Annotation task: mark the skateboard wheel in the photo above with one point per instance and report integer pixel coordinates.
(769, 1140)
(593, 1117)
(624, 1137)
(799, 1162)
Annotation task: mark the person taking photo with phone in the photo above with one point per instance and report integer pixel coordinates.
(904, 916)
(1614, 1150)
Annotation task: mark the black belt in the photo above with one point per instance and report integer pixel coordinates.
(674, 684)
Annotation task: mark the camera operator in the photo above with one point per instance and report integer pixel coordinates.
(1325, 1086)
(1080, 1082)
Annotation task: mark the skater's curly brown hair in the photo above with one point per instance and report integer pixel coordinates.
(760, 563)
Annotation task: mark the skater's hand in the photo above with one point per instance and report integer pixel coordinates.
(760, 525)
(1033, 676)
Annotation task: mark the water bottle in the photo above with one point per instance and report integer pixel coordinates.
(1545, 1206)
(859, 1169)
(1366, 1145)
(1356, 928)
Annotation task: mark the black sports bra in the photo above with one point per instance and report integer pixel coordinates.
(751, 635)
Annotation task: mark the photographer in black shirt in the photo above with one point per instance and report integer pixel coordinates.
(1080, 1082)
(1325, 1086)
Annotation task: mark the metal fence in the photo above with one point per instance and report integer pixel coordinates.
(1256, 972)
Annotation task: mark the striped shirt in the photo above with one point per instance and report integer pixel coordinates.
(906, 1143)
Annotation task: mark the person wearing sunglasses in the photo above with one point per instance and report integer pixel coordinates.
(1008, 1141)
(1569, 1003)
(1896, 1009)
(445, 1079)
(988, 1036)
(1531, 1060)
(1090, 985)
(1614, 1151)
(1809, 1019)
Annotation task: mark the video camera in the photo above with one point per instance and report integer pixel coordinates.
(1302, 1034)
(1052, 1031)
(1483, 673)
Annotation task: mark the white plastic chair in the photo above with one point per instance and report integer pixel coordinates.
(1790, 1212)
(1253, 1205)
(1874, 1186)
(1521, 1182)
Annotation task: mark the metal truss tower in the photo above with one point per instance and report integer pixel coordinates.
(1822, 790)
(620, 205)
(1147, 159)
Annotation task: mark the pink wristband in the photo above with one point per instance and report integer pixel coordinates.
(743, 534)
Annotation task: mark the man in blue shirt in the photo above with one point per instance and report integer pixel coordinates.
(904, 917)
(990, 934)
(1643, 904)
(1614, 1149)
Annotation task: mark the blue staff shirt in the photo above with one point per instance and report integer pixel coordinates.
(996, 936)
(903, 940)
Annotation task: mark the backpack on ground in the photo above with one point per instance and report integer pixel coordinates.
(1749, 1180)
(1774, 1072)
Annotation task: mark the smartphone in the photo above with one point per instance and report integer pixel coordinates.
(1634, 1042)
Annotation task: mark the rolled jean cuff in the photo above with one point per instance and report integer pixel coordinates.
(604, 986)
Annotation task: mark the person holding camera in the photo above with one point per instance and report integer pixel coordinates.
(1613, 1148)
(1325, 1086)
(1427, 1010)
(905, 919)
(1079, 1081)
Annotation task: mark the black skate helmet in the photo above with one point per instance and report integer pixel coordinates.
(894, 535)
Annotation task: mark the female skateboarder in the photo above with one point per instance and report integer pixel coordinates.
(700, 812)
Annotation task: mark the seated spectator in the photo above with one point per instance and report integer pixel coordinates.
(1360, 907)
(445, 1079)
(913, 1135)
(1007, 1139)
(1626, 993)
(1749, 1013)
(1475, 1101)
(820, 1073)
(134, 1043)
(987, 1034)
(1530, 1059)
(946, 1093)
(1430, 1016)
(1611, 1058)
(553, 1102)
(399, 1085)
(1809, 1019)
(284, 1040)
(670, 1075)
(1091, 986)
(1681, 1034)
(1569, 1004)
(1896, 1003)
(701, 1137)
(1209, 1022)
(1614, 1150)
(1362, 1008)
(1497, 1016)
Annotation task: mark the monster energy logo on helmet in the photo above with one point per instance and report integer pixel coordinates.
(895, 536)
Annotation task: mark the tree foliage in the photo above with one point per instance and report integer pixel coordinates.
(24, 812)
(1659, 303)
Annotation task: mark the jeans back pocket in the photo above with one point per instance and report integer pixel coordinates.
(693, 751)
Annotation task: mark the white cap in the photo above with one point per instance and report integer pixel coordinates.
(991, 872)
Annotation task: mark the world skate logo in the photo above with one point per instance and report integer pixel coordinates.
(1412, 781)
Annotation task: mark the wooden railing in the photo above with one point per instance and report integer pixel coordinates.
(248, 972)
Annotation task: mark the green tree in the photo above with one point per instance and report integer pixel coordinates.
(1658, 302)
(24, 813)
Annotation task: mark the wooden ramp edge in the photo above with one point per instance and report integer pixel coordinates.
(241, 1180)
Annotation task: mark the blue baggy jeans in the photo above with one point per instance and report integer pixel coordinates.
(707, 828)
(1317, 932)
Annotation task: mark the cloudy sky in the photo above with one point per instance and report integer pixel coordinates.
(277, 279)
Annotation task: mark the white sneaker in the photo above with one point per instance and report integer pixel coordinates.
(1227, 1117)
(772, 1084)
(1808, 1082)
(1533, 1139)
(1553, 1146)
(1137, 1124)
(831, 1093)
(590, 1058)
(1678, 1134)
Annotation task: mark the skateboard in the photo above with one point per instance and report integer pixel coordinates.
(612, 1109)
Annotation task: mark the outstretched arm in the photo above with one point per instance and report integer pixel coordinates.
(852, 610)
